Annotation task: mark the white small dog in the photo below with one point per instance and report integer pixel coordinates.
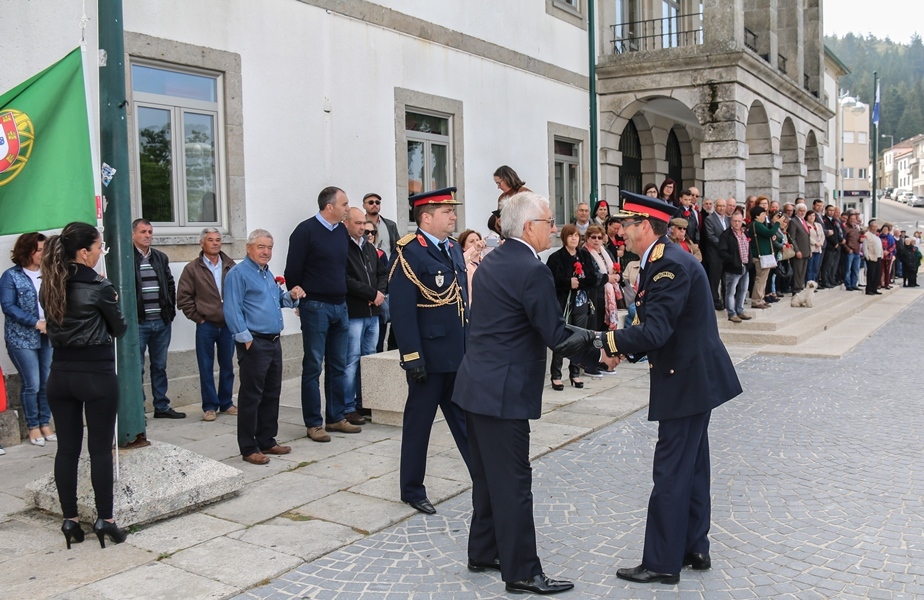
(804, 298)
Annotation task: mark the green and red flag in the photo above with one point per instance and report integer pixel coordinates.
(46, 162)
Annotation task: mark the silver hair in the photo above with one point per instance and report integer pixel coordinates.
(207, 231)
(520, 209)
(801, 207)
(256, 234)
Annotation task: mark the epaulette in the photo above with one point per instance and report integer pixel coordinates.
(99, 278)
(406, 239)
(657, 252)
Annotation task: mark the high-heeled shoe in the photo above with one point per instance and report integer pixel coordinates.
(103, 528)
(577, 384)
(72, 532)
(558, 387)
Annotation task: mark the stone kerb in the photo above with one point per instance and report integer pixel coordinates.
(155, 482)
(384, 387)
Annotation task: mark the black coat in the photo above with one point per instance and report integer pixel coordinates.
(92, 316)
(561, 263)
(729, 253)
(165, 284)
(365, 275)
(516, 319)
(691, 372)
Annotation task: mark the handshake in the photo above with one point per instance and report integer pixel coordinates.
(582, 340)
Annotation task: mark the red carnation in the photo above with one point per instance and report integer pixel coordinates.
(280, 280)
(578, 269)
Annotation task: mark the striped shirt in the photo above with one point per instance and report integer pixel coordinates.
(150, 289)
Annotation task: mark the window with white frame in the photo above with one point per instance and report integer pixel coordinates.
(179, 136)
(429, 152)
(861, 137)
(567, 166)
(848, 137)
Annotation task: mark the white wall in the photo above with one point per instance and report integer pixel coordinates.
(295, 57)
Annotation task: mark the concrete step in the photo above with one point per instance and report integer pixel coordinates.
(797, 325)
(782, 315)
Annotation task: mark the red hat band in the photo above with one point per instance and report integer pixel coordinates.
(645, 211)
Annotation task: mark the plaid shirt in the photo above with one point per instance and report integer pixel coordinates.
(742, 245)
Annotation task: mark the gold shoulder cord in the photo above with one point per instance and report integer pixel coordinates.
(451, 295)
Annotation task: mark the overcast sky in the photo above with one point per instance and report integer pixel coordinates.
(892, 18)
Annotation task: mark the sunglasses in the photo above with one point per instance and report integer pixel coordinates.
(596, 237)
(373, 201)
(371, 232)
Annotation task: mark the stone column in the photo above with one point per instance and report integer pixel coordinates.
(760, 16)
(723, 25)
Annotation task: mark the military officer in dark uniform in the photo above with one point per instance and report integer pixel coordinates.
(429, 315)
(691, 374)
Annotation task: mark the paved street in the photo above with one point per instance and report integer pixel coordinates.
(818, 485)
(904, 217)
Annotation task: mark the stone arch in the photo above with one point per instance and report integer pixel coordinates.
(654, 118)
(689, 152)
(814, 176)
(792, 168)
(761, 175)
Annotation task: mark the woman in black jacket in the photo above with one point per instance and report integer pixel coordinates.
(574, 274)
(83, 318)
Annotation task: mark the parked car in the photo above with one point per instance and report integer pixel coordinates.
(906, 198)
(917, 201)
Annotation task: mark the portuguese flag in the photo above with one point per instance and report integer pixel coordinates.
(46, 165)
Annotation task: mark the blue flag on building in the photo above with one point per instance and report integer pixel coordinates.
(876, 107)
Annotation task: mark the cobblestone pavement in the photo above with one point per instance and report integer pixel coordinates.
(818, 487)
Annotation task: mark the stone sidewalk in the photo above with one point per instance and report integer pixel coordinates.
(300, 508)
(817, 484)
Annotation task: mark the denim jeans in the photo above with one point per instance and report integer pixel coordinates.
(208, 336)
(814, 265)
(736, 289)
(852, 271)
(33, 366)
(325, 337)
(155, 337)
(364, 333)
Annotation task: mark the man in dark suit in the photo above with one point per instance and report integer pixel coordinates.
(499, 385)
(429, 314)
(716, 222)
(802, 244)
(834, 240)
(688, 380)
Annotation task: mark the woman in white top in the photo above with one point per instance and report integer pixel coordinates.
(24, 333)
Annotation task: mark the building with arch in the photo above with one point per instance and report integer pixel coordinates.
(726, 95)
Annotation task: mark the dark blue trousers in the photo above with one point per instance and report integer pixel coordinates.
(679, 509)
(502, 497)
(419, 412)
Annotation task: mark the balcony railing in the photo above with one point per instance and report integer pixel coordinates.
(750, 39)
(654, 34)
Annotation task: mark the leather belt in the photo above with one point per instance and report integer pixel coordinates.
(265, 336)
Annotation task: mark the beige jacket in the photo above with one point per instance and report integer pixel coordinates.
(872, 247)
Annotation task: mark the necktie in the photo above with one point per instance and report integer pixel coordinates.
(445, 251)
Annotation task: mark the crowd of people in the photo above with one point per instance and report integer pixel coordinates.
(358, 288)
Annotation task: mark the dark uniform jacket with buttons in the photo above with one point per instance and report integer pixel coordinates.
(428, 301)
(691, 372)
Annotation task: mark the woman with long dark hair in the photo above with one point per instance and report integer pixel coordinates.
(508, 182)
(24, 332)
(83, 319)
(668, 192)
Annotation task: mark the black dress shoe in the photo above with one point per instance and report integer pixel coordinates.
(698, 561)
(169, 414)
(478, 567)
(423, 506)
(640, 574)
(539, 584)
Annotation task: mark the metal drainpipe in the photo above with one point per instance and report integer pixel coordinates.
(592, 75)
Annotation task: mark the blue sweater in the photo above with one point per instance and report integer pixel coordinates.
(317, 261)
